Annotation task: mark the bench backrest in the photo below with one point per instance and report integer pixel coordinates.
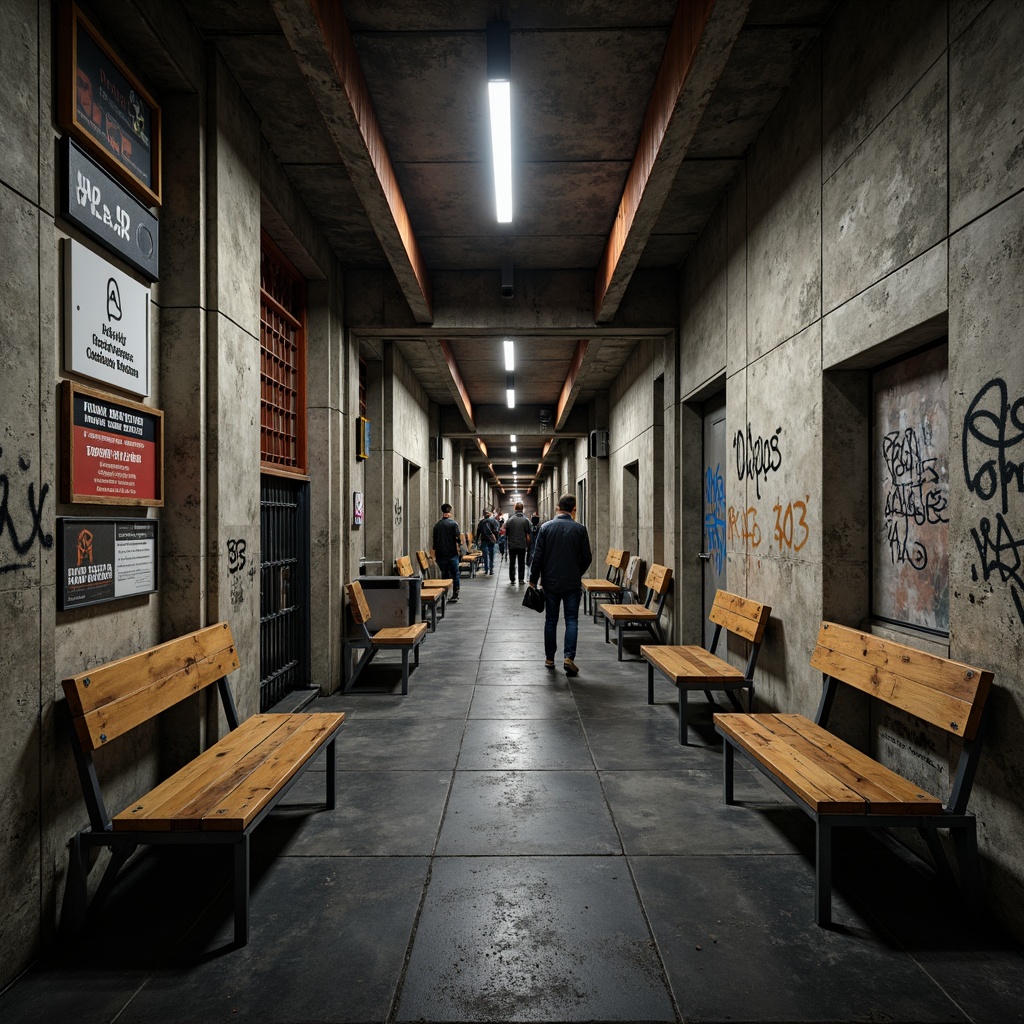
(947, 694)
(358, 603)
(404, 563)
(616, 560)
(658, 579)
(421, 557)
(108, 701)
(740, 615)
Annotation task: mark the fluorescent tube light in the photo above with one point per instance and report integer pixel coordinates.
(500, 96)
(512, 438)
(515, 464)
(510, 356)
(510, 395)
(514, 448)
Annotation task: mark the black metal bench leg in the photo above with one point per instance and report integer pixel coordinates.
(650, 682)
(619, 633)
(242, 891)
(966, 843)
(683, 695)
(823, 873)
(733, 699)
(72, 911)
(405, 671)
(931, 838)
(119, 853)
(728, 759)
(332, 776)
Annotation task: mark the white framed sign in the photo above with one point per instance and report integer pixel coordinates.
(106, 321)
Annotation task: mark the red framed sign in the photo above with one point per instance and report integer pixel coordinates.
(113, 450)
(105, 107)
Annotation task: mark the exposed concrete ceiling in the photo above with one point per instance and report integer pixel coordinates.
(583, 74)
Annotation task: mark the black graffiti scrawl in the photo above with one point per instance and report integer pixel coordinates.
(993, 453)
(21, 521)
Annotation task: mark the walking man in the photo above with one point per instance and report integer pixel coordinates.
(487, 536)
(446, 548)
(517, 536)
(560, 559)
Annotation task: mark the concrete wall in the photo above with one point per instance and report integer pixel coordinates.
(221, 186)
(881, 206)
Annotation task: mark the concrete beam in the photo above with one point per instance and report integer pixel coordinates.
(699, 45)
(571, 387)
(319, 37)
(442, 354)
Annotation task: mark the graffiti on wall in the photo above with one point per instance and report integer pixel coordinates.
(993, 431)
(910, 490)
(743, 526)
(398, 512)
(757, 457)
(21, 522)
(791, 529)
(714, 516)
(914, 494)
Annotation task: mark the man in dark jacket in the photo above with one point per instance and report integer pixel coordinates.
(487, 537)
(446, 547)
(561, 557)
(517, 536)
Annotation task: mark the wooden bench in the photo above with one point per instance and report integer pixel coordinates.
(611, 586)
(635, 617)
(403, 638)
(468, 555)
(219, 797)
(839, 786)
(694, 668)
(431, 593)
(431, 573)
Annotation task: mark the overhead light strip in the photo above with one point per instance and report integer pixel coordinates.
(499, 95)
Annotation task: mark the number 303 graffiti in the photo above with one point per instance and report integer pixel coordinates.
(791, 529)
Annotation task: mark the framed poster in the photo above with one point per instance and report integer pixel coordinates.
(102, 560)
(113, 449)
(105, 108)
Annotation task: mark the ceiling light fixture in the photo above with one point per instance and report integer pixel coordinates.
(514, 449)
(510, 355)
(512, 438)
(514, 464)
(499, 94)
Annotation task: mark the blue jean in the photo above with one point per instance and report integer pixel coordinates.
(570, 602)
(488, 550)
(450, 568)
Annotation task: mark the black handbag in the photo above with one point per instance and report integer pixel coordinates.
(534, 599)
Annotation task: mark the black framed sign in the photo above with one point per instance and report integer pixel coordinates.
(105, 108)
(102, 560)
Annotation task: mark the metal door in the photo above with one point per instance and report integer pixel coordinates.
(713, 555)
(284, 588)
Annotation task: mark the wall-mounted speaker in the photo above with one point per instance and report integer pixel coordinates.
(599, 444)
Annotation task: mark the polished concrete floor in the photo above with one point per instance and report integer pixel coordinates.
(513, 845)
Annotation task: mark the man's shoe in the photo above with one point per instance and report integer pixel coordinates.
(453, 598)
(570, 667)
(549, 662)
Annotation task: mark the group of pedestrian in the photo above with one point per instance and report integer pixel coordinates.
(558, 553)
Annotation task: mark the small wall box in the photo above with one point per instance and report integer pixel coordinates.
(363, 432)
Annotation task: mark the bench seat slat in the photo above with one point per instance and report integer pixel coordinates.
(244, 802)
(628, 612)
(690, 664)
(181, 802)
(399, 636)
(600, 586)
(831, 776)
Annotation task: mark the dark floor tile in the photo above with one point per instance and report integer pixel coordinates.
(683, 812)
(738, 941)
(419, 744)
(525, 647)
(328, 940)
(530, 702)
(533, 939)
(437, 695)
(525, 672)
(525, 745)
(300, 827)
(527, 813)
(637, 743)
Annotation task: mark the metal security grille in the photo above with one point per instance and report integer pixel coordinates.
(284, 588)
(282, 362)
